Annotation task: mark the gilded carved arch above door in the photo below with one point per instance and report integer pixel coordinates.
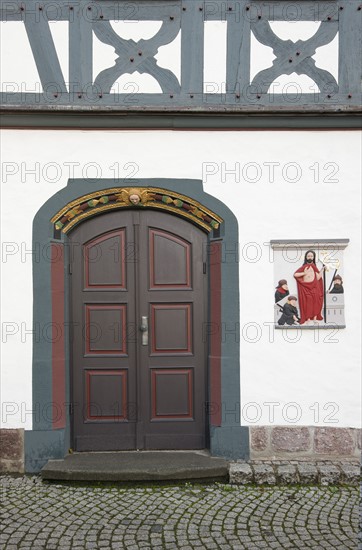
(134, 197)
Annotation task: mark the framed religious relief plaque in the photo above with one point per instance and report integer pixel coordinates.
(309, 283)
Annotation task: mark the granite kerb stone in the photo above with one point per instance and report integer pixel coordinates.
(278, 472)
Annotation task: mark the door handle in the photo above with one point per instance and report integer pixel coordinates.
(144, 330)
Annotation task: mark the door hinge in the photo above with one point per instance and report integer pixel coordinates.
(70, 268)
(71, 409)
(204, 268)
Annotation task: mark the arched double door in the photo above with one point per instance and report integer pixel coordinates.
(139, 355)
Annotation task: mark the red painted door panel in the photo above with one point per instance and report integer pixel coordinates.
(134, 388)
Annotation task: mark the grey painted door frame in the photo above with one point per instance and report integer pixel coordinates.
(50, 438)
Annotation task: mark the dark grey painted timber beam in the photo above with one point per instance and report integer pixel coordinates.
(169, 121)
(203, 103)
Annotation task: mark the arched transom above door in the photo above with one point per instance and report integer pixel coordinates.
(134, 197)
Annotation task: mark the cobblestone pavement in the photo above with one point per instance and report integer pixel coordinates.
(40, 515)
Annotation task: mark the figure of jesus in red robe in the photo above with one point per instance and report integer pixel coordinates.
(310, 289)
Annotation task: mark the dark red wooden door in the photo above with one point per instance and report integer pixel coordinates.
(138, 352)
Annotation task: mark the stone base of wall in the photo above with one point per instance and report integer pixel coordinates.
(12, 451)
(304, 442)
(266, 443)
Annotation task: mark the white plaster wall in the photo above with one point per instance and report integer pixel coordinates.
(312, 372)
(19, 72)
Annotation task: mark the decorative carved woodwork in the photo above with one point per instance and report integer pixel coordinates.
(89, 21)
(150, 197)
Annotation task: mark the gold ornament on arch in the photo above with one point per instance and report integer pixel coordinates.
(132, 197)
(135, 196)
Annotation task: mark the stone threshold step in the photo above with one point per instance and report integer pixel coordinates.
(137, 466)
